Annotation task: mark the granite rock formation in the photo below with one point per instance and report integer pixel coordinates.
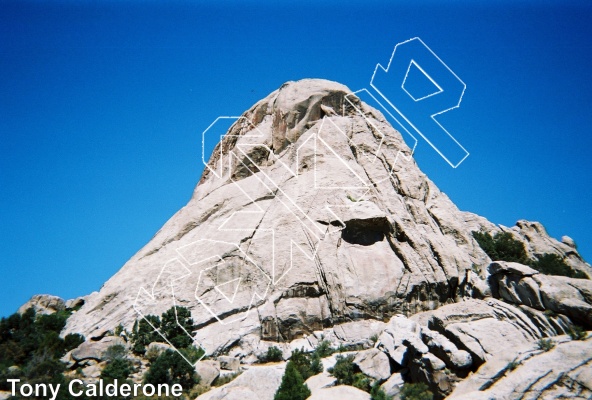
(312, 222)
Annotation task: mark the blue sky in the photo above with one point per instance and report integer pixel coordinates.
(102, 105)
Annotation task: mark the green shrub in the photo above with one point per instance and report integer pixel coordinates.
(53, 322)
(27, 335)
(118, 330)
(224, 379)
(73, 340)
(177, 326)
(324, 349)
(292, 386)
(197, 391)
(316, 365)
(416, 391)
(152, 354)
(343, 370)
(32, 343)
(118, 368)
(144, 333)
(171, 368)
(376, 393)
(373, 339)
(273, 354)
(306, 364)
(115, 352)
(552, 264)
(362, 382)
(51, 342)
(502, 247)
(192, 353)
(43, 367)
(512, 365)
(545, 344)
(577, 333)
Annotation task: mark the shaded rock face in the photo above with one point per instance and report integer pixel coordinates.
(311, 213)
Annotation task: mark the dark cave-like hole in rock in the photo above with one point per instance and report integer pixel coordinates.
(365, 232)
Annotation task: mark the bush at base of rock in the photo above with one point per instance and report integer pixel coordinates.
(72, 340)
(324, 349)
(174, 324)
(552, 264)
(118, 366)
(502, 247)
(25, 335)
(376, 393)
(224, 379)
(292, 386)
(347, 373)
(416, 391)
(545, 344)
(192, 353)
(30, 348)
(171, 368)
(274, 354)
(577, 333)
(306, 364)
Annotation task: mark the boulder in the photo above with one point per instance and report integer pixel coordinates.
(93, 369)
(358, 332)
(432, 362)
(43, 304)
(567, 296)
(393, 385)
(339, 393)
(568, 241)
(158, 347)
(91, 350)
(503, 267)
(229, 363)
(208, 371)
(373, 363)
(320, 381)
(256, 382)
(75, 303)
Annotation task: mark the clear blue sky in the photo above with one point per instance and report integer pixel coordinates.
(102, 104)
